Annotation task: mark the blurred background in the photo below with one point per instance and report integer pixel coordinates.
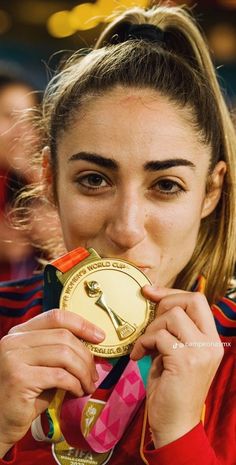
(32, 35)
(32, 31)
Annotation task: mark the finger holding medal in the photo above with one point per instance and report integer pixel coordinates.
(38, 356)
(183, 365)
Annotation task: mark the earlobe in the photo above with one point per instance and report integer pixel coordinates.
(47, 177)
(214, 191)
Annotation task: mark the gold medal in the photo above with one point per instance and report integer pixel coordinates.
(66, 455)
(107, 292)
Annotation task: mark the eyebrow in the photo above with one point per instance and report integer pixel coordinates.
(112, 164)
(104, 162)
(167, 164)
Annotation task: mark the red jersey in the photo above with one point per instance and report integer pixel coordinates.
(213, 443)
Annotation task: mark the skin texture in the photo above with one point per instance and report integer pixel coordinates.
(125, 208)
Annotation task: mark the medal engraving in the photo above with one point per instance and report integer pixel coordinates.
(66, 455)
(122, 327)
(107, 292)
(90, 414)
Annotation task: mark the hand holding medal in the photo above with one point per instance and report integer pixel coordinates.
(108, 292)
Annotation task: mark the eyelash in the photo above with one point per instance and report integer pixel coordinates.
(81, 179)
(173, 183)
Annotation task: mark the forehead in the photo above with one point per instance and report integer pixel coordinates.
(135, 122)
(138, 106)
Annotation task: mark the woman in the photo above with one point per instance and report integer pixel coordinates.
(18, 257)
(17, 94)
(139, 159)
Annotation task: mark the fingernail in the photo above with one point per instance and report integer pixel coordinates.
(148, 288)
(99, 334)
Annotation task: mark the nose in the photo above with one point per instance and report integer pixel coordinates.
(126, 225)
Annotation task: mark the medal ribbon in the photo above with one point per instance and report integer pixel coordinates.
(98, 422)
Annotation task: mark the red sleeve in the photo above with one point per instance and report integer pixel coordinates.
(10, 457)
(191, 449)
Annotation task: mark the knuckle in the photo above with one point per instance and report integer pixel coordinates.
(161, 333)
(66, 381)
(56, 317)
(192, 361)
(14, 329)
(176, 313)
(60, 376)
(64, 335)
(198, 298)
(5, 343)
(64, 352)
(162, 306)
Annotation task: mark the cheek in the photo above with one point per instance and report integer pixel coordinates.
(177, 225)
(81, 220)
(175, 235)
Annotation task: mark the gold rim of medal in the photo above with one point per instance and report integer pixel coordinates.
(107, 292)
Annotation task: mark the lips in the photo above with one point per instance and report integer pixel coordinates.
(141, 266)
(138, 264)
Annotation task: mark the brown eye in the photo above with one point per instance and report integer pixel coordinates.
(168, 186)
(92, 181)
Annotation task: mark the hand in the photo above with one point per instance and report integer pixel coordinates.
(181, 374)
(35, 358)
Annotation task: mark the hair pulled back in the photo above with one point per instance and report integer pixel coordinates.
(177, 66)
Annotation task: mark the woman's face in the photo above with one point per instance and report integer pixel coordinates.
(131, 182)
(14, 100)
